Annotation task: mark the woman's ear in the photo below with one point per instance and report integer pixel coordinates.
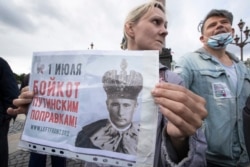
(129, 28)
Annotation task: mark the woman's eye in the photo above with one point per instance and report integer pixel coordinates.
(156, 22)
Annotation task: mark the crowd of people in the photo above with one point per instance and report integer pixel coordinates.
(203, 106)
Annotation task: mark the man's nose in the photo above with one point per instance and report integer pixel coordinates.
(219, 25)
(121, 111)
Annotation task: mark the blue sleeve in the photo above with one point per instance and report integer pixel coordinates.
(184, 69)
(196, 155)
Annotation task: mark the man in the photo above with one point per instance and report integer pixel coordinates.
(118, 133)
(8, 92)
(223, 80)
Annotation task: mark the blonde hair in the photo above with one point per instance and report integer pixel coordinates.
(136, 14)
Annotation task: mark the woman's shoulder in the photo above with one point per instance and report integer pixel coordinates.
(173, 77)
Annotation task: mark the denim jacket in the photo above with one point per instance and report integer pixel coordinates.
(205, 76)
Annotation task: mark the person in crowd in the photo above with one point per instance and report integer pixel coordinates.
(8, 92)
(217, 75)
(36, 159)
(180, 140)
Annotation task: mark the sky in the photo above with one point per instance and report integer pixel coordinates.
(28, 26)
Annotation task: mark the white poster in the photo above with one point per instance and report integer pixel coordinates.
(94, 105)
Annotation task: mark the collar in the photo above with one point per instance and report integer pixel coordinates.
(206, 55)
(110, 139)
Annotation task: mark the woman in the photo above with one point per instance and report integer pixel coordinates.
(178, 140)
(145, 29)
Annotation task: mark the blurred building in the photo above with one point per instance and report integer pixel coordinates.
(166, 57)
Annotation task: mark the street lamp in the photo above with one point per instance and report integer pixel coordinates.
(239, 40)
(92, 45)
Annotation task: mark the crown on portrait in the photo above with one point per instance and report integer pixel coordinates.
(122, 85)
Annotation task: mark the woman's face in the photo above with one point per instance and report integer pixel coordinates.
(150, 31)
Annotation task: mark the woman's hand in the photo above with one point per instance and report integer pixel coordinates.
(22, 102)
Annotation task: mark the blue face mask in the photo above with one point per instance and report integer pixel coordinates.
(220, 41)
